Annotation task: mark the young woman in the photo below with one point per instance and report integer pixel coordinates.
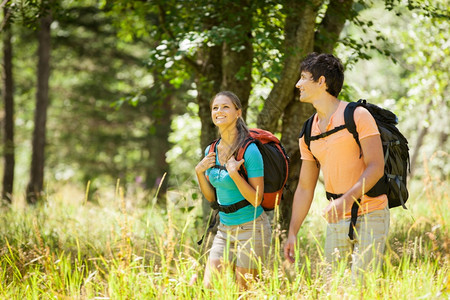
(247, 230)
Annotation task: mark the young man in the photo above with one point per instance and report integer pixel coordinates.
(347, 171)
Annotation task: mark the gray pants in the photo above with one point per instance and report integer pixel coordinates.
(242, 244)
(367, 248)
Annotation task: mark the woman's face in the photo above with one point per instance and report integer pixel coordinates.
(224, 112)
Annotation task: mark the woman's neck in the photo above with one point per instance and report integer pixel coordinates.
(228, 136)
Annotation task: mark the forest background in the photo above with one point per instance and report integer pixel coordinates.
(106, 106)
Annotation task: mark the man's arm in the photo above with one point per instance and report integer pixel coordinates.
(373, 158)
(303, 197)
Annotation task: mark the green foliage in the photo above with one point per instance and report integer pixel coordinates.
(119, 68)
(185, 153)
(415, 84)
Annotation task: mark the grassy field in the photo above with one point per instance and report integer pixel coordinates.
(118, 248)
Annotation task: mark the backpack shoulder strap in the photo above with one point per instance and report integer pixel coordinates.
(306, 131)
(241, 151)
(240, 155)
(212, 146)
(350, 120)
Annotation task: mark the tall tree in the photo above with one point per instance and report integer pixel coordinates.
(162, 95)
(223, 55)
(282, 102)
(36, 183)
(272, 37)
(8, 98)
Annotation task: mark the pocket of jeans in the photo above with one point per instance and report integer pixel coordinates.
(248, 226)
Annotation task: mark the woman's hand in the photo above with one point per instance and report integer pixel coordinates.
(233, 165)
(207, 162)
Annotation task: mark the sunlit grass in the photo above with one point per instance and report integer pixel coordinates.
(124, 247)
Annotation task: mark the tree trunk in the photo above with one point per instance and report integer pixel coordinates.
(8, 97)
(237, 53)
(332, 24)
(419, 142)
(299, 40)
(226, 67)
(294, 116)
(284, 98)
(35, 186)
(208, 84)
(159, 143)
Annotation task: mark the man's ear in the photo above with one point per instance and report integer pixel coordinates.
(321, 80)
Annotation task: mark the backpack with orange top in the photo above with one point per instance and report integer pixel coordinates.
(276, 169)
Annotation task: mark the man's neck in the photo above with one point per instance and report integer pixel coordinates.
(326, 106)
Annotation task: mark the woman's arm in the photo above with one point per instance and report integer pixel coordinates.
(205, 186)
(252, 190)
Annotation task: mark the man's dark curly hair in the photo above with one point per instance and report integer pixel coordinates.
(326, 65)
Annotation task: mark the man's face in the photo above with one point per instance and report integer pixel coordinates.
(307, 86)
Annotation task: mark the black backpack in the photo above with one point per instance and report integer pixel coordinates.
(395, 149)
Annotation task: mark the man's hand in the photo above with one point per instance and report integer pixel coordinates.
(289, 248)
(335, 210)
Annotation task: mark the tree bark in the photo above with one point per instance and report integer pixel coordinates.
(299, 39)
(208, 83)
(8, 98)
(226, 67)
(284, 98)
(159, 143)
(332, 24)
(294, 116)
(35, 186)
(419, 142)
(237, 53)
(282, 102)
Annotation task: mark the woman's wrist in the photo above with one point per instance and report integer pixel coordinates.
(234, 175)
(199, 171)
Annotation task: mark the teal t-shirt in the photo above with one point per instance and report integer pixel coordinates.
(228, 193)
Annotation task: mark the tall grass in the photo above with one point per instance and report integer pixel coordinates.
(121, 248)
